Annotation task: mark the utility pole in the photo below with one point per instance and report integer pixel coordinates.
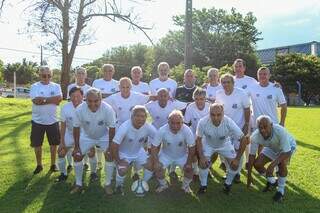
(41, 55)
(188, 36)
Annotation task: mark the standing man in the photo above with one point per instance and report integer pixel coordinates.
(45, 96)
(213, 84)
(137, 84)
(241, 80)
(80, 76)
(107, 85)
(184, 93)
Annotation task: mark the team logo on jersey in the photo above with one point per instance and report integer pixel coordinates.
(87, 122)
(130, 140)
(113, 89)
(70, 118)
(234, 106)
(52, 93)
(258, 95)
(269, 96)
(195, 119)
(222, 138)
(141, 140)
(120, 108)
(157, 117)
(210, 95)
(209, 136)
(181, 143)
(168, 89)
(101, 88)
(100, 123)
(244, 86)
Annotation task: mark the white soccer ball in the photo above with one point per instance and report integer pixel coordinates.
(140, 187)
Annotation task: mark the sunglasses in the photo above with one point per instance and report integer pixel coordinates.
(45, 75)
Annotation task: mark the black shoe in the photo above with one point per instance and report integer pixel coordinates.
(120, 190)
(61, 178)
(237, 179)
(202, 190)
(53, 168)
(37, 170)
(135, 177)
(226, 188)
(69, 168)
(278, 197)
(85, 167)
(270, 186)
(93, 177)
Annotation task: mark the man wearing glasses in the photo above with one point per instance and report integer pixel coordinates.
(45, 96)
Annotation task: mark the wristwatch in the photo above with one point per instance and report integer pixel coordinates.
(44, 100)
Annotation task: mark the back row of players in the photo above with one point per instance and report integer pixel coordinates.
(218, 119)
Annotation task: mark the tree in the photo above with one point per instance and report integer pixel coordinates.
(1, 71)
(290, 68)
(66, 23)
(26, 72)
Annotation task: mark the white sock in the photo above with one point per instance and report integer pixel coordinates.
(230, 175)
(240, 164)
(109, 168)
(195, 168)
(147, 174)
(281, 184)
(271, 180)
(186, 181)
(78, 169)
(93, 164)
(99, 154)
(69, 157)
(162, 182)
(62, 165)
(119, 180)
(203, 176)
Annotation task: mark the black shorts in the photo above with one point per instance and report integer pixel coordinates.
(38, 131)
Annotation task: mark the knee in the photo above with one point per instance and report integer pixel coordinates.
(258, 165)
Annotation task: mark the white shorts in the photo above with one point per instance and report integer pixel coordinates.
(167, 161)
(139, 160)
(272, 154)
(226, 151)
(68, 139)
(87, 143)
(236, 143)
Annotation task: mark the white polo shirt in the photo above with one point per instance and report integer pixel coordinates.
(44, 114)
(95, 125)
(106, 87)
(84, 89)
(123, 106)
(211, 92)
(234, 104)
(193, 115)
(131, 140)
(160, 115)
(174, 146)
(218, 136)
(170, 84)
(265, 101)
(142, 87)
(244, 83)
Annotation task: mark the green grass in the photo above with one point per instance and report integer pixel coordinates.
(20, 191)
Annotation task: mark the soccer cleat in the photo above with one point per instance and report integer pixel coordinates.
(278, 197)
(69, 168)
(76, 190)
(85, 167)
(226, 188)
(162, 188)
(186, 189)
(61, 178)
(93, 177)
(120, 190)
(108, 190)
(53, 168)
(202, 190)
(236, 179)
(37, 170)
(270, 186)
(135, 177)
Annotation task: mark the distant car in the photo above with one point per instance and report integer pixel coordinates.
(21, 92)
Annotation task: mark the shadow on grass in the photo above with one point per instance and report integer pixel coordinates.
(14, 116)
(308, 146)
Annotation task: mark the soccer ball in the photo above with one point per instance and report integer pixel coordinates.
(139, 188)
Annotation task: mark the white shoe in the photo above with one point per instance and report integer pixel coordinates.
(162, 188)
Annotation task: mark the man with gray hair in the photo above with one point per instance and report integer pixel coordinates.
(46, 96)
(278, 148)
(80, 75)
(137, 84)
(184, 93)
(107, 85)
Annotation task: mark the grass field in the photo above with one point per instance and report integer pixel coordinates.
(20, 191)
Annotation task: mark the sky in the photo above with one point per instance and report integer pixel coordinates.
(282, 22)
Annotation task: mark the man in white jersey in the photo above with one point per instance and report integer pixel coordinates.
(278, 148)
(159, 110)
(97, 122)
(241, 80)
(45, 96)
(266, 98)
(67, 115)
(194, 112)
(163, 81)
(177, 146)
(107, 85)
(137, 84)
(213, 84)
(236, 104)
(128, 146)
(213, 136)
(80, 75)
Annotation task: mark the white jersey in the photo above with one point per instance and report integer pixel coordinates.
(193, 115)
(218, 136)
(44, 114)
(131, 140)
(234, 104)
(265, 101)
(67, 114)
(170, 84)
(174, 146)
(106, 87)
(95, 125)
(211, 92)
(142, 87)
(244, 83)
(280, 140)
(160, 115)
(123, 106)
(84, 89)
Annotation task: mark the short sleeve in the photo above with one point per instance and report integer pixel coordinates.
(200, 129)
(143, 99)
(63, 114)
(111, 118)
(33, 92)
(284, 141)
(77, 119)
(254, 143)
(120, 134)
(245, 100)
(187, 116)
(157, 139)
(236, 132)
(151, 133)
(189, 137)
(280, 97)
(179, 105)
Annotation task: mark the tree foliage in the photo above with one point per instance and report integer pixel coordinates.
(26, 72)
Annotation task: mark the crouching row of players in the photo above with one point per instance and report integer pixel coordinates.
(93, 124)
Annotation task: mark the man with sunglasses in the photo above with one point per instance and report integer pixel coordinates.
(45, 96)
